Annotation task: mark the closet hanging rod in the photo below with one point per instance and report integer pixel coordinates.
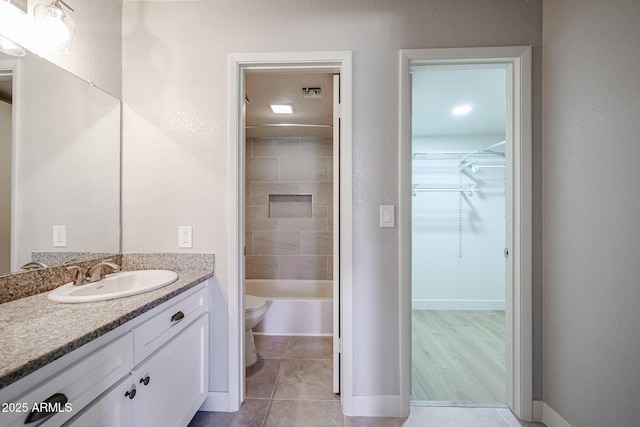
(486, 149)
(277, 125)
(444, 188)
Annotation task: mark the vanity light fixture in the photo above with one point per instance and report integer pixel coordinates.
(12, 20)
(461, 110)
(281, 108)
(54, 25)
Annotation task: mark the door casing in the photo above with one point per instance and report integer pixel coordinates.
(340, 62)
(518, 313)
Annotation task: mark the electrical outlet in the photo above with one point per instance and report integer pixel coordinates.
(185, 236)
(59, 236)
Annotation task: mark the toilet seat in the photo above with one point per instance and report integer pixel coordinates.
(253, 303)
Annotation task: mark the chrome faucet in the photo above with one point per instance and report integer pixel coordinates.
(96, 272)
(33, 266)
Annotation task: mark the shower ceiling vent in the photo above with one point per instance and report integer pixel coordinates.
(313, 92)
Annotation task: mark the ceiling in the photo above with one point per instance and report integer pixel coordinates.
(264, 88)
(436, 90)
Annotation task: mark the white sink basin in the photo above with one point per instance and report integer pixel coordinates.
(116, 285)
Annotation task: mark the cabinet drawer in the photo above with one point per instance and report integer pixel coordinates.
(78, 385)
(155, 332)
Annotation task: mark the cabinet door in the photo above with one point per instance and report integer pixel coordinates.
(172, 384)
(112, 409)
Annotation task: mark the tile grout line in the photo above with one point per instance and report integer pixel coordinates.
(273, 390)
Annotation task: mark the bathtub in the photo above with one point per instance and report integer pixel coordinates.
(296, 307)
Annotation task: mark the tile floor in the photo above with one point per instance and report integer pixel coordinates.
(291, 385)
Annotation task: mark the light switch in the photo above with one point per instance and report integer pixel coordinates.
(387, 217)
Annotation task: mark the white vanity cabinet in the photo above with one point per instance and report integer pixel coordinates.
(75, 385)
(154, 372)
(166, 390)
(171, 385)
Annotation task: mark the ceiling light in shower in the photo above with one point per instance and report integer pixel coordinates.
(281, 108)
(461, 110)
(54, 25)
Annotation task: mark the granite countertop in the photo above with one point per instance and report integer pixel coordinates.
(35, 331)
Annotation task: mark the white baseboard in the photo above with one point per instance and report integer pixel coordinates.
(455, 304)
(216, 401)
(376, 406)
(538, 409)
(546, 414)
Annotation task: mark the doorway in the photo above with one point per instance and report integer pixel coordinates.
(516, 61)
(243, 65)
(458, 234)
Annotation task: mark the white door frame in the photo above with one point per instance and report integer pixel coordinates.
(238, 63)
(15, 66)
(518, 337)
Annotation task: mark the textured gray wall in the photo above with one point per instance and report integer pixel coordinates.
(591, 236)
(175, 128)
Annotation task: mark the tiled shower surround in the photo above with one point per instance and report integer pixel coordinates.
(289, 235)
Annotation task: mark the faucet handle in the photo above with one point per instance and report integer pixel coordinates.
(80, 277)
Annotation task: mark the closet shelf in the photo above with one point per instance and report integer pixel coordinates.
(469, 189)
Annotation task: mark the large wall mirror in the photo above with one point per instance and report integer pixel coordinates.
(59, 165)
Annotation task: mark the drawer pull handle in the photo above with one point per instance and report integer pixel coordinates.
(177, 317)
(145, 380)
(49, 407)
(131, 393)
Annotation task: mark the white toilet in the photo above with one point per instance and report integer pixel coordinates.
(254, 310)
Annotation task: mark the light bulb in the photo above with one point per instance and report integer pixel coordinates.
(53, 28)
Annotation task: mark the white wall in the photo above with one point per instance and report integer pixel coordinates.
(591, 244)
(176, 169)
(453, 270)
(96, 49)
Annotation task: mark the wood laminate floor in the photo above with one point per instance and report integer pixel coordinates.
(458, 356)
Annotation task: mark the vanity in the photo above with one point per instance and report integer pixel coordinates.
(139, 360)
(135, 361)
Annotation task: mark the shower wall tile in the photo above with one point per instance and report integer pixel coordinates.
(316, 242)
(318, 221)
(295, 247)
(303, 169)
(316, 146)
(276, 147)
(248, 242)
(261, 267)
(302, 267)
(257, 218)
(322, 192)
(264, 169)
(276, 242)
(260, 191)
